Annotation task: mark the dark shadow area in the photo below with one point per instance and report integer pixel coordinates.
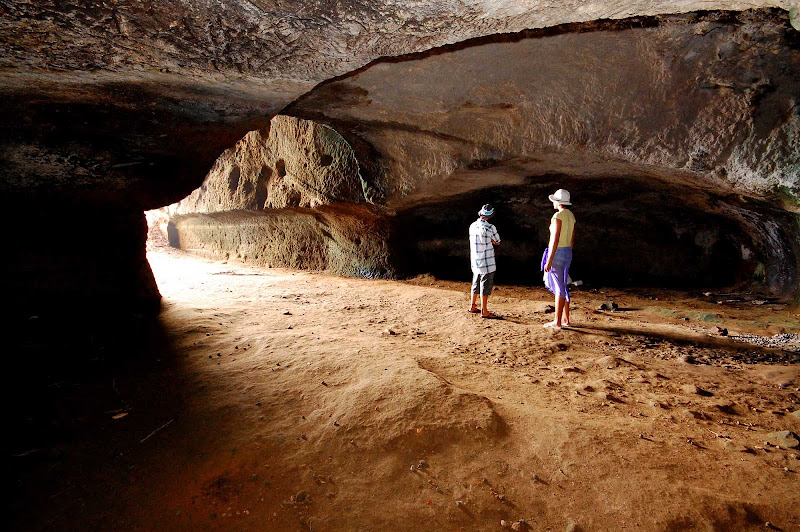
(89, 394)
(629, 233)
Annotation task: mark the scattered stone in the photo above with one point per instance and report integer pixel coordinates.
(691, 389)
(287, 313)
(609, 305)
(786, 341)
(785, 439)
(722, 331)
(610, 362)
(730, 445)
(460, 504)
(535, 477)
(695, 414)
(300, 496)
(572, 527)
(571, 369)
(549, 309)
(687, 359)
(389, 332)
(504, 523)
(413, 468)
(516, 526)
(422, 464)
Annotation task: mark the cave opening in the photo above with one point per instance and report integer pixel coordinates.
(631, 232)
(277, 201)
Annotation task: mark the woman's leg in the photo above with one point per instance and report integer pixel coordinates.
(560, 301)
(565, 318)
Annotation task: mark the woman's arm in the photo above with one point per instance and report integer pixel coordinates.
(554, 234)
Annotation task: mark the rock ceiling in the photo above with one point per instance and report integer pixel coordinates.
(138, 98)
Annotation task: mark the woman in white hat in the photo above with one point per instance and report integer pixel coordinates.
(558, 256)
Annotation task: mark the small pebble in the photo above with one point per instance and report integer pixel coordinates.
(459, 504)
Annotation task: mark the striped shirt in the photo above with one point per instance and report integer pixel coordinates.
(481, 250)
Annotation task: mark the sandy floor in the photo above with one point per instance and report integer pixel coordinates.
(281, 400)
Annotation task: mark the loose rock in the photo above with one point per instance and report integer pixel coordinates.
(609, 305)
(785, 439)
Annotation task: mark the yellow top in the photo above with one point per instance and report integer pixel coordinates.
(567, 227)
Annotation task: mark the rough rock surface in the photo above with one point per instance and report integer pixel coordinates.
(297, 163)
(656, 124)
(677, 134)
(345, 239)
(713, 94)
(115, 107)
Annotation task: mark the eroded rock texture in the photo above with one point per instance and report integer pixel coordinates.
(348, 240)
(678, 137)
(294, 163)
(109, 108)
(290, 196)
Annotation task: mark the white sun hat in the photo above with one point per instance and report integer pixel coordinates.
(561, 196)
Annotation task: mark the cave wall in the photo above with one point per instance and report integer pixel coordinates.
(107, 109)
(289, 196)
(703, 107)
(351, 240)
(713, 95)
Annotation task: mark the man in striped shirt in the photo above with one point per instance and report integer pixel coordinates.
(483, 237)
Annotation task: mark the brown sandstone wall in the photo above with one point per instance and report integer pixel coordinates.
(347, 240)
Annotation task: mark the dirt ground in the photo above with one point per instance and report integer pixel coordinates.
(268, 399)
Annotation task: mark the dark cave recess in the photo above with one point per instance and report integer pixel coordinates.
(629, 233)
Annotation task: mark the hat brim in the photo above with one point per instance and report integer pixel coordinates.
(486, 214)
(556, 200)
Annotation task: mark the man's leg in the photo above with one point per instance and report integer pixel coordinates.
(487, 284)
(475, 291)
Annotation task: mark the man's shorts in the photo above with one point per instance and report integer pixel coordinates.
(482, 283)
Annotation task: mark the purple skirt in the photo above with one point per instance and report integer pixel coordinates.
(556, 279)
